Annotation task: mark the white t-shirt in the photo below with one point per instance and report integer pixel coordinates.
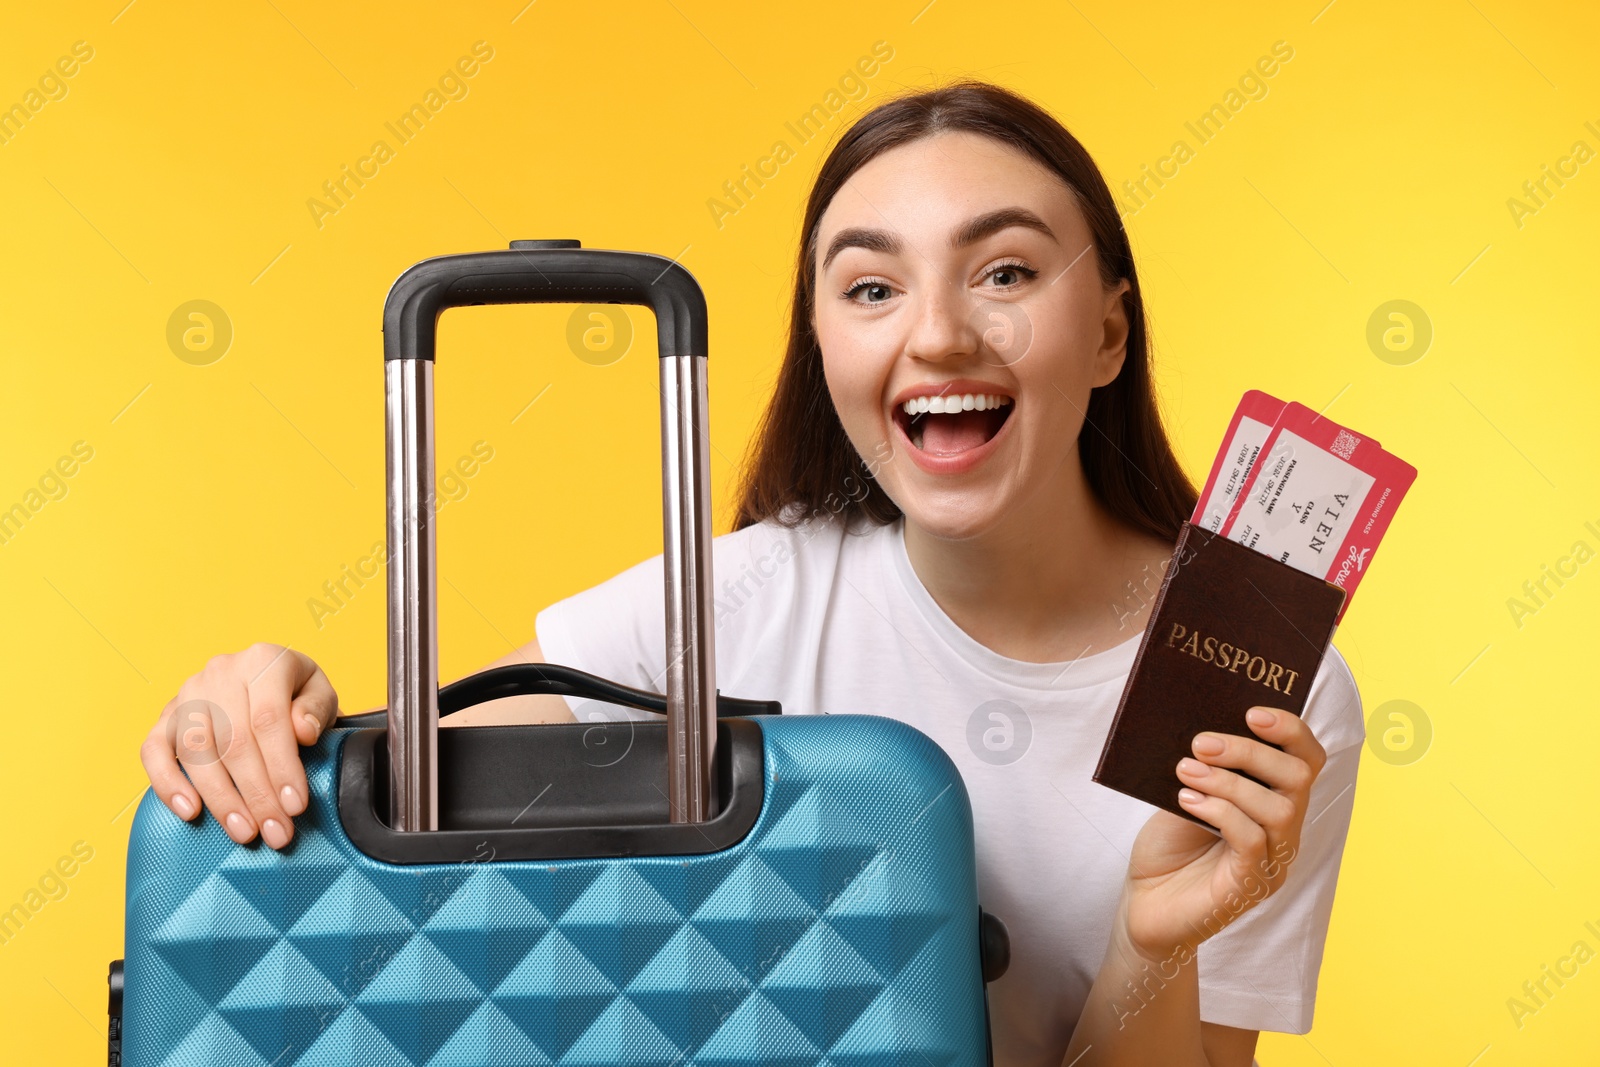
(826, 621)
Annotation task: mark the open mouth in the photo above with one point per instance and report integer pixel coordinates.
(951, 424)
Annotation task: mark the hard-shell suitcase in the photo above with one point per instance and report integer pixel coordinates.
(727, 887)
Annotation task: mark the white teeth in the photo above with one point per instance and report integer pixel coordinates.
(940, 405)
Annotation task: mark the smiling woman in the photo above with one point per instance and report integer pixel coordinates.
(966, 312)
(960, 476)
(802, 453)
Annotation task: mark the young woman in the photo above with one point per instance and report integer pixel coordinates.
(958, 506)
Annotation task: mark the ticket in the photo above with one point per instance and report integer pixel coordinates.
(1252, 421)
(1319, 498)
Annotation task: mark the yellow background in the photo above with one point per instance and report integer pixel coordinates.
(221, 497)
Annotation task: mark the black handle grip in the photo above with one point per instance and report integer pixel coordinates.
(523, 679)
(114, 979)
(994, 946)
(543, 272)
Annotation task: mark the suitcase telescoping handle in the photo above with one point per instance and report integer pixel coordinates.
(546, 272)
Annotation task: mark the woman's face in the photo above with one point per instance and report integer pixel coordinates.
(957, 274)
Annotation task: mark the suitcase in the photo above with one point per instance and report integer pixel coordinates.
(725, 886)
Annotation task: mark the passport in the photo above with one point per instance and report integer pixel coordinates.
(1229, 629)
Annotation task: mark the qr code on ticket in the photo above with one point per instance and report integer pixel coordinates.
(1344, 444)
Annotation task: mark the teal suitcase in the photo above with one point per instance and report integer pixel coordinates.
(728, 887)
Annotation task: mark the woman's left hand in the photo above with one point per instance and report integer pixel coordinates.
(1183, 883)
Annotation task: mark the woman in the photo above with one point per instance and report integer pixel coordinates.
(979, 567)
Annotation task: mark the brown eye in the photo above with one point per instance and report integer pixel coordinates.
(1007, 275)
(877, 292)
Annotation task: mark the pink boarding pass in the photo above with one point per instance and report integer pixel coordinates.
(1319, 498)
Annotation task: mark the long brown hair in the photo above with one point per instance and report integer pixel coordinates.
(802, 464)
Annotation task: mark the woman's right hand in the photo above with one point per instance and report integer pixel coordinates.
(236, 728)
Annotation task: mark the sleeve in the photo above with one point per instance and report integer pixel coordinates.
(616, 630)
(1260, 972)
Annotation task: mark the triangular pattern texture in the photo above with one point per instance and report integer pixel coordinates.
(486, 932)
(284, 1002)
(823, 985)
(753, 917)
(841, 931)
(758, 1032)
(622, 1034)
(555, 994)
(619, 923)
(214, 938)
(349, 1038)
(352, 933)
(212, 1040)
(167, 1028)
(688, 988)
(280, 892)
(489, 1036)
(419, 999)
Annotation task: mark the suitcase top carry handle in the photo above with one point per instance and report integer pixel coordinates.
(546, 272)
(522, 679)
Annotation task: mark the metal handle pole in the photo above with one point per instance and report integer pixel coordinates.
(413, 617)
(686, 566)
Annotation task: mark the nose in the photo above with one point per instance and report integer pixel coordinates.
(941, 325)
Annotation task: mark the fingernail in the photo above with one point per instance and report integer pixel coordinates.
(1193, 767)
(238, 827)
(316, 727)
(183, 807)
(291, 799)
(1188, 796)
(1208, 744)
(1260, 717)
(273, 834)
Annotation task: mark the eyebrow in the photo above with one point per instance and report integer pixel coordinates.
(971, 232)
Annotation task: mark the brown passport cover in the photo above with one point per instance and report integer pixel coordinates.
(1274, 623)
